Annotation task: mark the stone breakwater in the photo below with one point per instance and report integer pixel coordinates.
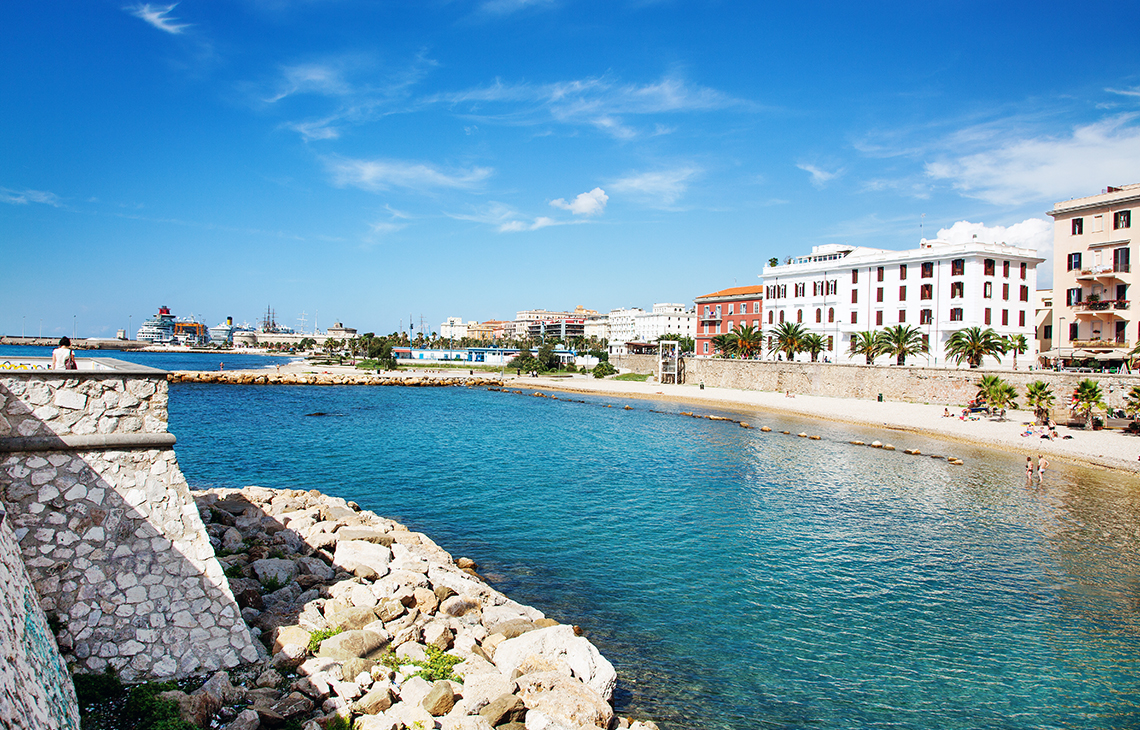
(245, 377)
(304, 566)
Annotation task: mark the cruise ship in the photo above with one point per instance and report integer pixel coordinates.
(159, 328)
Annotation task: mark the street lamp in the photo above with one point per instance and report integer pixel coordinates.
(1060, 344)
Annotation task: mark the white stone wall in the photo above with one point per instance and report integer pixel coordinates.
(112, 538)
(35, 687)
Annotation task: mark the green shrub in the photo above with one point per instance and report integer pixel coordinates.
(271, 584)
(603, 369)
(92, 688)
(438, 666)
(145, 710)
(320, 635)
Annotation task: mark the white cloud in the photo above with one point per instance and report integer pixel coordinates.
(601, 102)
(1035, 233)
(819, 176)
(663, 187)
(311, 78)
(1044, 168)
(1134, 91)
(591, 203)
(506, 219)
(376, 175)
(317, 129)
(23, 197)
(158, 16)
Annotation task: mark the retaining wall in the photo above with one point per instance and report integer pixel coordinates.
(35, 687)
(637, 363)
(109, 533)
(908, 384)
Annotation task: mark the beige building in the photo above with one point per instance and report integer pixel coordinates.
(1092, 271)
(1043, 327)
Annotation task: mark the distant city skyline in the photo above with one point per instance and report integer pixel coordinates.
(363, 162)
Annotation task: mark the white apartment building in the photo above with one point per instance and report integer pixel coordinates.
(939, 287)
(454, 328)
(637, 325)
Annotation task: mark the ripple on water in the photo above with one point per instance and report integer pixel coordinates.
(738, 579)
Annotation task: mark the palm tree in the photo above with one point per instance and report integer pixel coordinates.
(1039, 397)
(747, 341)
(1132, 401)
(987, 385)
(973, 344)
(790, 338)
(813, 344)
(902, 341)
(867, 344)
(1017, 345)
(1087, 397)
(723, 344)
(999, 396)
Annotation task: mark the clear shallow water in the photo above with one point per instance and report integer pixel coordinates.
(737, 579)
(160, 360)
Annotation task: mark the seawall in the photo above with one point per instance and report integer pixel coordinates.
(108, 531)
(250, 377)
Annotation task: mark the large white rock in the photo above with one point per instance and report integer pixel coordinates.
(555, 701)
(557, 645)
(365, 559)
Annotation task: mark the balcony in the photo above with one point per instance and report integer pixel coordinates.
(1103, 271)
(1101, 305)
(715, 317)
(1098, 344)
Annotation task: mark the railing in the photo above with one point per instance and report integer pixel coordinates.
(1096, 344)
(1101, 305)
(1096, 270)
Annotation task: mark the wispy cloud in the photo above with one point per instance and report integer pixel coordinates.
(601, 102)
(660, 188)
(314, 78)
(23, 197)
(591, 203)
(377, 175)
(1013, 171)
(506, 7)
(819, 176)
(506, 219)
(158, 16)
(1134, 91)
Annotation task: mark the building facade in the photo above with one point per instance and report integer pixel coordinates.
(939, 287)
(723, 311)
(454, 328)
(1092, 271)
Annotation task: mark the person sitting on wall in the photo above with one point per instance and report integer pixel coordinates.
(62, 357)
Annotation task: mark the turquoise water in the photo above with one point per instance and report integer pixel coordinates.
(161, 360)
(737, 579)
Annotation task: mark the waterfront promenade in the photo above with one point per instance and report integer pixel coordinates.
(1108, 449)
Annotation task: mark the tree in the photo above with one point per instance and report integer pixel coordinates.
(813, 344)
(867, 344)
(524, 360)
(685, 343)
(973, 344)
(1039, 397)
(723, 344)
(1086, 398)
(773, 261)
(547, 360)
(747, 341)
(1017, 345)
(902, 341)
(603, 369)
(1132, 401)
(790, 338)
(997, 394)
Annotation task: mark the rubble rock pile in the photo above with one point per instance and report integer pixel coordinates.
(367, 622)
(239, 377)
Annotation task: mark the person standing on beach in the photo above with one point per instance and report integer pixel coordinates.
(1042, 465)
(1028, 469)
(62, 358)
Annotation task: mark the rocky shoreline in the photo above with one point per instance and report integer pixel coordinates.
(248, 377)
(366, 622)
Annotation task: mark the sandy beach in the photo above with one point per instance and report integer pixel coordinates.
(1109, 449)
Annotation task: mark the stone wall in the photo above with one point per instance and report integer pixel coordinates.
(108, 529)
(35, 687)
(908, 384)
(636, 363)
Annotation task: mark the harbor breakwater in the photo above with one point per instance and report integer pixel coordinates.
(238, 377)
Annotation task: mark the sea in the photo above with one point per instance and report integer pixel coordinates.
(736, 578)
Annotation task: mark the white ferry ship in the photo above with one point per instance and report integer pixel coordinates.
(159, 328)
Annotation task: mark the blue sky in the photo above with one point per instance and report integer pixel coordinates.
(367, 161)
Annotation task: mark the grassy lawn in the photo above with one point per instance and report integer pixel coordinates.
(634, 376)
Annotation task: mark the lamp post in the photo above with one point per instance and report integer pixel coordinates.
(1060, 344)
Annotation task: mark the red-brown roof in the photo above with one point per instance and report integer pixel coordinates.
(736, 291)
